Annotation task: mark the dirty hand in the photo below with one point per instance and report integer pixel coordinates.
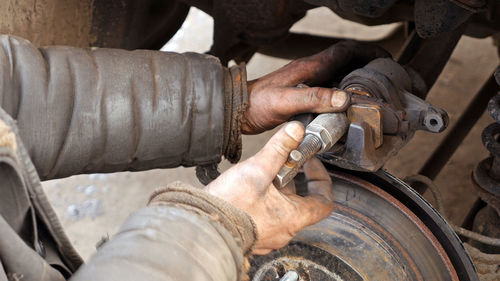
(274, 98)
(278, 214)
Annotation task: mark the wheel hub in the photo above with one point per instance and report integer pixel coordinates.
(370, 235)
(310, 262)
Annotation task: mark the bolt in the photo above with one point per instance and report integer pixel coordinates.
(295, 157)
(321, 134)
(290, 276)
(307, 148)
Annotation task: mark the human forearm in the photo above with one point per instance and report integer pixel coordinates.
(185, 234)
(105, 110)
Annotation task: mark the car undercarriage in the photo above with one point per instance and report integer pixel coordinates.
(382, 228)
(374, 232)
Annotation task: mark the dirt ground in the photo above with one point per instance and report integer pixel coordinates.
(94, 206)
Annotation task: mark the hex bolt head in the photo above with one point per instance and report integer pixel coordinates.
(329, 128)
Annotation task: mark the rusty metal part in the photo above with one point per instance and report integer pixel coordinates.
(371, 235)
(321, 134)
(487, 225)
(486, 175)
(486, 179)
(387, 80)
(487, 264)
(383, 118)
(392, 118)
(474, 236)
(490, 140)
(487, 186)
(371, 114)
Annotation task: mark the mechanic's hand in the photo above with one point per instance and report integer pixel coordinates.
(279, 215)
(274, 98)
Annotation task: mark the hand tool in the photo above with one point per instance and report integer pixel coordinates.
(321, 134)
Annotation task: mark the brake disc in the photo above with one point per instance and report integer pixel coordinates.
(380, 229)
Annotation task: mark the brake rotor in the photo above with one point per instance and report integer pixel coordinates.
(379, 230)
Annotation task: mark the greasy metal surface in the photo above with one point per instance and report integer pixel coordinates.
(375, 235)
(486, 175)
(383, 121)
(487, 264)
(372, 116)
(306, 149)
(491, 142)
(382, 78)
(494, 106)
(329, 128)
(486, 179)
(428, 215)
(487, 222)
(320, 135)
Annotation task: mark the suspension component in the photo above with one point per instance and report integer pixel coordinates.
(486, 178)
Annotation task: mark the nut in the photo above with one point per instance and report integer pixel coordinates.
(329, 128)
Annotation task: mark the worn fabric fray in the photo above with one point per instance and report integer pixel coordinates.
(239, 105)
(236, 221)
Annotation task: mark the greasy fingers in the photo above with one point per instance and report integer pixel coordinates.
(296, 72)
(314, 170)
(318, 204)
(274, 154)
(318, 100)
(277, 105)
(319, 181)
(313, 209)
(274, 98)
(289, 188)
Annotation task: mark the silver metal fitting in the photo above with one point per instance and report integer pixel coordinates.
(329, 128)
(321, 134)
